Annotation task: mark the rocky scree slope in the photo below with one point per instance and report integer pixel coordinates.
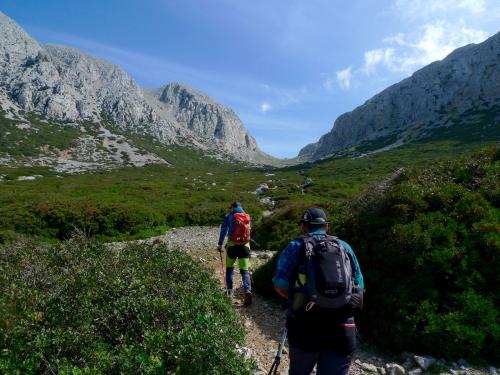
(68, 85)
(438, 95)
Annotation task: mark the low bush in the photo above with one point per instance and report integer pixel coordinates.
(429, 247)
(79, 307)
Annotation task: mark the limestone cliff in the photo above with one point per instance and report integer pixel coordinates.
(467, 79)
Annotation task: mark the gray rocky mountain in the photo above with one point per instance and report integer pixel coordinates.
(65, 84)
(209, 121)
(438, 95)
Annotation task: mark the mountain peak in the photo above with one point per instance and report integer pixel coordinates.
(17, 46)
(181, 91)
(63, 83)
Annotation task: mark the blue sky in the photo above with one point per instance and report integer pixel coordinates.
(288, 68)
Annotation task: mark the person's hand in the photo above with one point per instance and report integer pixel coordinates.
(356, 302)
(219, 248)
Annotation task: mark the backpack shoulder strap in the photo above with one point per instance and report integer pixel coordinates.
(349, 255)
(309, 243)
(302, 250)
(333, 239)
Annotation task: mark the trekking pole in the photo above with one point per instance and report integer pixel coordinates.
(277, 359)
(222, 270)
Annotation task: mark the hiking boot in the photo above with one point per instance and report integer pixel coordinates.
(248, 299)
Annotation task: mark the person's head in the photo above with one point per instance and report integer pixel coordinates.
(235, 206)
(313, 219)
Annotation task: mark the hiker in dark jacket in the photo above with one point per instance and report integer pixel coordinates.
(237, 248)
(316, 335)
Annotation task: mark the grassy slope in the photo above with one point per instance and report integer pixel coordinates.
(21, 143)
(139, 202)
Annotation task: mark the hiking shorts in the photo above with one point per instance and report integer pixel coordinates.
(240, 252)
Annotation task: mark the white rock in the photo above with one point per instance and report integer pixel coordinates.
(266, 213)
(262, 187)
(424, 361)
(307, 182)
(395, 369)
(267, 201)
(381, 370)
(247, 352)
(28, 178)
(368, 367)
(416, 371)
(492, 370)
(265, 254)
(23, 126)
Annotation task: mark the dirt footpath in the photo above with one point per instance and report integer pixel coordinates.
(263, 321)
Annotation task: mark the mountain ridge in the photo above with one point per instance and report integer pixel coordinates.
(467, 79)
(66, 84)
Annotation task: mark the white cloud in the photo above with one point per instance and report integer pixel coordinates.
(375, 57)
(344, 78)
(436, 29)
(434, 41)
(265, 107)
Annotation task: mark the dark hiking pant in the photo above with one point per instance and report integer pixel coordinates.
(242, 253)
(328, 361)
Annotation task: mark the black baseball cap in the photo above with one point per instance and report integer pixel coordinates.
(314, 216)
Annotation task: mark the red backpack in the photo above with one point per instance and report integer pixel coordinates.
(241, 228)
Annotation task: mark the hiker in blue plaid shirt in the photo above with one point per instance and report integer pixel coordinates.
(317, 337)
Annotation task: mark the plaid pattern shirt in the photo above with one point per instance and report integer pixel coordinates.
(287, 263)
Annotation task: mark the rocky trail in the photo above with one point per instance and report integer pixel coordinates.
(264, 321)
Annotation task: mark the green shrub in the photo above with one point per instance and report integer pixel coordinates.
(262, 277)
(275, 231)
(428, 242)
(80, 307)
(428, 248)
